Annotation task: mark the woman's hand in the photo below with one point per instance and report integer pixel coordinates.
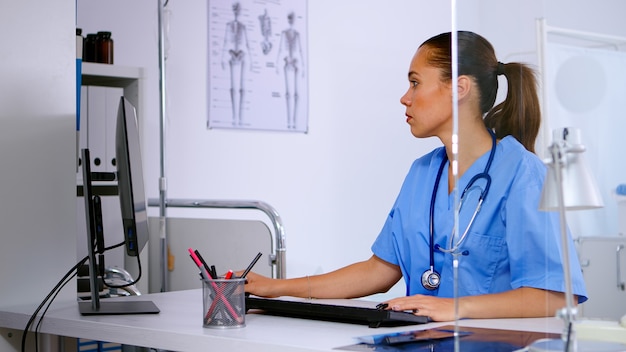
(259, 285)
(437, 308)
(524, 302)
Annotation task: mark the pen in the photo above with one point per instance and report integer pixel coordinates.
(245, 272)
(205, 274)
(229, 275)
(202, 274)
(206, 266)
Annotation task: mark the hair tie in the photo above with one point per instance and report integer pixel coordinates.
(500, 69)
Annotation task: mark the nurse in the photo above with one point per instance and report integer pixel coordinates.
(508, 250)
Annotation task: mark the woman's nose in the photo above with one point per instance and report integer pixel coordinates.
(404, 100)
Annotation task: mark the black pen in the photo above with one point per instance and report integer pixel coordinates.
(206, 266)
(245, 272)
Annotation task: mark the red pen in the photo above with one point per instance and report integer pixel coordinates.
(229, 275)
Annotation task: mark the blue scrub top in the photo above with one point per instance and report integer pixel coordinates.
(511, 243)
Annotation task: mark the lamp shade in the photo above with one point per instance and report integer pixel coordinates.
(580, 190)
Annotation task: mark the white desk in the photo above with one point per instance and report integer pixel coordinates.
(178, 327)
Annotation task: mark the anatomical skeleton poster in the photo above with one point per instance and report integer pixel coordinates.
(257, 65)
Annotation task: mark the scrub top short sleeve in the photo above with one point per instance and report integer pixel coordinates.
(510, 245)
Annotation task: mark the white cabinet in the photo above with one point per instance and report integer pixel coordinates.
(129, 79)
(603, 261)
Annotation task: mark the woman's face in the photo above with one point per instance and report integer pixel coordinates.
(428, 100)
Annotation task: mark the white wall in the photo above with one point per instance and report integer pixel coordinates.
(330, 186)
(334, 185)
(37, 152)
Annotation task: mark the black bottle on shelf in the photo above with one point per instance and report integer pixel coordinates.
(89, 48)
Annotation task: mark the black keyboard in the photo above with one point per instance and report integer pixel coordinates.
(353, 311)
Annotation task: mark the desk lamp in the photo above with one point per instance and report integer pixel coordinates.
(569, 186)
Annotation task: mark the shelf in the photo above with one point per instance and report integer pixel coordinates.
(94, 74)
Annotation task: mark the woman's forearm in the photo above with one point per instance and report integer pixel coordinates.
(356, 280)
(523, 302)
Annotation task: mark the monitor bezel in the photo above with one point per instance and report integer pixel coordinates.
(130, 179)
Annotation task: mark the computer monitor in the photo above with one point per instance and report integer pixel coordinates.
(133, 208)
(130, 179)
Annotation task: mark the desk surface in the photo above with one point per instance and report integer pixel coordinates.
(178, 327)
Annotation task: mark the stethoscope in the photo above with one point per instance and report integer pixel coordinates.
(431, 278)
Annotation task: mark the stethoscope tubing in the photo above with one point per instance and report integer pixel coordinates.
(483, 195)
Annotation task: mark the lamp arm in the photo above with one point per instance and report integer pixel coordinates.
(568, 313)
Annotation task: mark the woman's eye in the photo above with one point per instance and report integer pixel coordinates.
(413, 84)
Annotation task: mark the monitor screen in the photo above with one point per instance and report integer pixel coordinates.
(130, 179)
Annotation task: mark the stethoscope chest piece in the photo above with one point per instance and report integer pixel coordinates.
(430, 280)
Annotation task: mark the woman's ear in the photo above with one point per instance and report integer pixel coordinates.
(464, 86)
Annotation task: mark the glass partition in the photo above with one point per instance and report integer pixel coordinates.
(580, 72)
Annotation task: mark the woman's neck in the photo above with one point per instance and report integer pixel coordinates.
(471, 146)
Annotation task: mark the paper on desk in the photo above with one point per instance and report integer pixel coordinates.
(600, 330)
(408, 336)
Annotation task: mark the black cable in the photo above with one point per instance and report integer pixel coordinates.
(114, 246)
(52, 292)
(130, 283)
(47, 307)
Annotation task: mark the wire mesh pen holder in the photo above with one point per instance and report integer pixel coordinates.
(223, 303)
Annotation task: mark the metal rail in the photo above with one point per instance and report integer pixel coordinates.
(278, 247)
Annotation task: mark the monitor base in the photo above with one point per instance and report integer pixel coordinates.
(118, 308)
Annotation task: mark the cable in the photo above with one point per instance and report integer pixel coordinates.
(114, 246)
(130, 283)
(569, 334)
(47, 307)
(52, 292)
